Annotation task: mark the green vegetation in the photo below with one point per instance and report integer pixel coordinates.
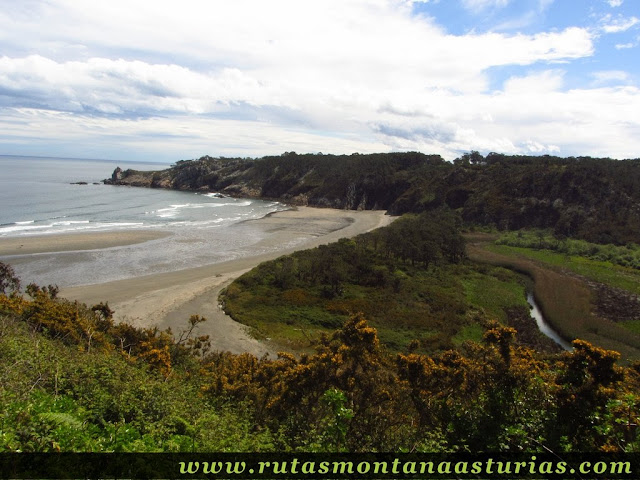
(494, 290)
(65, 393)
(580, 297)
(596, 270)
(443, 376)
(580, 198)
(114, 392)
(408, 279)
(606, 255)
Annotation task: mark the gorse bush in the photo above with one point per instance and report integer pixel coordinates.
(75, 381)
(72, 380)
(354, 395)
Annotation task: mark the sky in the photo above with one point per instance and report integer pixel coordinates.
(169, 80)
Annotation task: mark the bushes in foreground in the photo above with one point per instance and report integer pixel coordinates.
(353, 395)
(63, 391)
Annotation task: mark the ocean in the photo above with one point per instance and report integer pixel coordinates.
(39, 197)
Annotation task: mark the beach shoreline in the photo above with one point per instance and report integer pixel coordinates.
(167, 300)
(75, 241)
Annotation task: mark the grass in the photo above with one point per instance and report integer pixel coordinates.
(473, 332)
(494, 291)
(633, 325)
(566, 301)
(55, 396)
(596, 270)
(625, 256)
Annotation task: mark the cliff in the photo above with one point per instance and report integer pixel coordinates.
(594, 199)
(350, 182)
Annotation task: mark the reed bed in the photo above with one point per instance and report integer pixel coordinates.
(565, 301)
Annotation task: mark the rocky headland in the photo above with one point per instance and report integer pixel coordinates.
(587, 198)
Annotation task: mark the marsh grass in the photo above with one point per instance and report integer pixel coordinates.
(597, 270)
(494, 291)
(620, 255)
(565, 301)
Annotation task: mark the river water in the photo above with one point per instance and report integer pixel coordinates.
(543, 326)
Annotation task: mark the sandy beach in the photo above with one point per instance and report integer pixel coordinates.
(75, 241)
(169, 299)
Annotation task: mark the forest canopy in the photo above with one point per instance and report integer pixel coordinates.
(593, 199)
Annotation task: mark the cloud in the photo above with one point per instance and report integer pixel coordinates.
(363, 72)
(544, 4)
(526, 18)
(253, 78)
(610, 76)
(547, 81)
(618, 24)
(480, 5)
(171, 138)
(614, 3)
(119, 86)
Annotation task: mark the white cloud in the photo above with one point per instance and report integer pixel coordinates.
(412, 2)
(172, 138)
(254, 78)
(615, 3)
(525, 19)
(610, 76)
(544, 4)
(547, 81)
(623, 46)
(119, 86)
(361, 54)
(618, 24)
(479, 5)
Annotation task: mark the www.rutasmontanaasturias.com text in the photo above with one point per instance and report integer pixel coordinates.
(407, 468)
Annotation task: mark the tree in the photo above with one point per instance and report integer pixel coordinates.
(9, 282)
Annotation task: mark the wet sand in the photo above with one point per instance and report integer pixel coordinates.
(169, 299)
(75, 241)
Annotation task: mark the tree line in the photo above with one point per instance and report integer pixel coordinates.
(579, 197)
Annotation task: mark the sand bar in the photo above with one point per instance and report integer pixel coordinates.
(68, 242)
(169, 299)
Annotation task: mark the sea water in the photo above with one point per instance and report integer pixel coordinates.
(40, 196)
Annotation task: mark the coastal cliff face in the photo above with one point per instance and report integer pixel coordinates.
(206, 174)
(594, 199)
(355, 182)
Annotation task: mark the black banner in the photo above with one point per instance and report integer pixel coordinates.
(317, 466)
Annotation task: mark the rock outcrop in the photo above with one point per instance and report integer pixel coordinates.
(594, 199)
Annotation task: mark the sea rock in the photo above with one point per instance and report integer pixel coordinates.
(116, 176)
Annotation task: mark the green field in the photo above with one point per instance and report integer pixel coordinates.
(598, 270)
(564, 289)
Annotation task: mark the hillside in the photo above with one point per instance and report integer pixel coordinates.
(431, 371)
(75, 381)
(592, 199)
(409, 279)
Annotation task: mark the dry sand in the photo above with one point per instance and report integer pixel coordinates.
(169, 299)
